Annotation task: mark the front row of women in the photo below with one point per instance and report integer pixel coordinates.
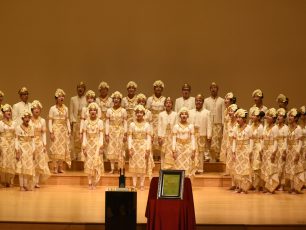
(266, 157)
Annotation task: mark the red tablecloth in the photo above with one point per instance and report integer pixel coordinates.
(168, 214)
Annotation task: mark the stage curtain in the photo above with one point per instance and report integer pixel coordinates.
(168, 214)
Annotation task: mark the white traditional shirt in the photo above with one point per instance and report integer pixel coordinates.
(166, 120)
(156, 105)
(271, 134)
(40, 126)
(92, 127)
(76, 105)
(116, 117)
(216, 107)
(5, 127)
(104, 103)
(181, 102)
(85, 115)
(296, 135)
(201, 121)
(183, 132)
(18, 109)
(56, 113)
(129, 103)
(283, 133)
(22, 133)
(136, 129)
(242, 135)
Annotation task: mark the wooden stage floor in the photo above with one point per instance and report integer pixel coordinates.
(213, 205)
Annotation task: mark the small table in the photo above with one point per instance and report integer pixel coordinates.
(169, 213)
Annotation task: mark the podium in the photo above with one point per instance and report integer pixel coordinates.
(168, 213)
(120, 210)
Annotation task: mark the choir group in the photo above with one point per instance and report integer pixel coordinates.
(263, 149)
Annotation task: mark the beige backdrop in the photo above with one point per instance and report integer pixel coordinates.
(242, 45)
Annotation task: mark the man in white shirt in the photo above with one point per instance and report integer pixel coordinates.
(215, 105)
(185, 100)
(76, 104)
(21, 106)
(200, 118)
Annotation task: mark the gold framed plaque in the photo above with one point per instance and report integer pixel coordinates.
(171, 184)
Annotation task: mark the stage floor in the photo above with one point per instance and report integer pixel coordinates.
(213, 205)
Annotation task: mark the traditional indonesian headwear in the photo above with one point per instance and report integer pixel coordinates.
(281, 98)
(131, 84)
(229, 95)
(294, 112)
(184, 110)
(168, 99)
(139, 108)
(1, 93)
(6, 107)
(90, 93)
(81, 84)
(241, 113)
(271, 112)
(93, 105)
(59, 93)
(303, 110)
(255, 111)
(200, 96)
(257, 93)
(186, 86)
(102, 85)
(26, 113)
(23, 90)
(116, 94)
(281, 112)
(233, 107)
(141, 96)
(158, 83)
(36, 104)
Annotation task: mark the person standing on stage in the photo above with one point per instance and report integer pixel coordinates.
(142, 100)
(294, 170)
(25, 147)
(130, 101)
(90, 98)
(282, 101)
(258, 100)
(257, 133)
(92, 146)
(104, 101)
(230, 158)
(228, 100)
(166, 121)
(283, 132)
(41, 159)
(303, 127)
(19, 107)
(186, 100)
(200, 118)
(1, 104)
(116, 132)
(155, 104)
(59, 128)
(242, 148)
(215, 105)
(269, 173)
(76, 104)
(183, 143)
(7, 147)
(139, 146)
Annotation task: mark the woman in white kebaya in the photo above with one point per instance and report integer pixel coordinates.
(183, 144)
